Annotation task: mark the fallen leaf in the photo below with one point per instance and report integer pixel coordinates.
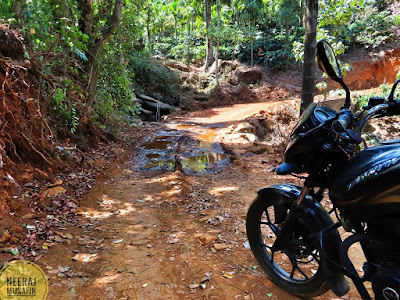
(194, 285)
(118, 241)
(228, 275)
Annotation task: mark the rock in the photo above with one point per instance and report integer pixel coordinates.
(220, 246)
(6, 237)
(222, 65)
(207, 238)
(137, 100)
(172, 239)
(146, 113)
(241, 133)
(152, 104)
(84, 257)
(247, 75)
(177, 65)
(194, 285)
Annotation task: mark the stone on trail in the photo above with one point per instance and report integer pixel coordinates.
(220, 246)
(207, 238)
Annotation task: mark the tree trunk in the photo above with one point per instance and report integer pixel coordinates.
(188, 45)
(97, 43)
(18, 9)
(175, 28)
(252, 52)
(209, 53)
(148, 21)
(217, 48)
(307, 94)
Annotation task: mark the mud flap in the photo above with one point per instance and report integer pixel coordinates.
(282, 196)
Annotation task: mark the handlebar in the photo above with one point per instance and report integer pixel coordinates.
(345, 118)
(372, 112)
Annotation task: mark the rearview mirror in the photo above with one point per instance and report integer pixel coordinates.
(327, 61)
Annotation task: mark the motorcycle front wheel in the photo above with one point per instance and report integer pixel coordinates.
(294, 267)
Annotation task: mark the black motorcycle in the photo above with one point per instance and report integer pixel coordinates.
(293, 237)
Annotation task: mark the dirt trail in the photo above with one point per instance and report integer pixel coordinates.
(153, 234)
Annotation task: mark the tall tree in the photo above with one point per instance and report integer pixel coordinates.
(217, 47)
(98, 37)
(252, 11)
(310, 43)
(209, 51)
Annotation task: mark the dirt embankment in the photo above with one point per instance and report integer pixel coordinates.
(369, 73)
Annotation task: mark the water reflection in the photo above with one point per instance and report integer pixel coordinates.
(194, 154)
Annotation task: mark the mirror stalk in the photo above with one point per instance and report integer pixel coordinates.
(347, 102)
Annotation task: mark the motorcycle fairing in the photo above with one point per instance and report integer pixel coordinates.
(282, 197)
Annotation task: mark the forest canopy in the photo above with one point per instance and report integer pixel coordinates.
(101, 51)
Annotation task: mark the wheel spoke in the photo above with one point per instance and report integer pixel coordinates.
(292, 273)
(275, 229)
(315, 256)
(302, 273)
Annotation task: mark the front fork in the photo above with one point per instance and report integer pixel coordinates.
(295, 210)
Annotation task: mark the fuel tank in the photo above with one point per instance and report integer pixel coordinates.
(369, 184)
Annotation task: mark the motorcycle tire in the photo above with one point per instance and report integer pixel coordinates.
(280, 273)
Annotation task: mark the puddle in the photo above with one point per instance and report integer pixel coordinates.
(168, 164)
(200, 163)
(160, 145)
(192, 146)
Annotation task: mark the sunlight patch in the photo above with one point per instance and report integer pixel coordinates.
(222, 189)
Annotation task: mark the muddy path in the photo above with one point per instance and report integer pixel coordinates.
(169, 223)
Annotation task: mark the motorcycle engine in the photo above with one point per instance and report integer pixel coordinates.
(386, 284)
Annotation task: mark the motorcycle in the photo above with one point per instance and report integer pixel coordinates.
(294, 238)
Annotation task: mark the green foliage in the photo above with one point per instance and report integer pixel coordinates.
(383, 91)
(115, 94)
(5, 10)
(49, 27)
(65, 109)
(371, 29)
(154, 78)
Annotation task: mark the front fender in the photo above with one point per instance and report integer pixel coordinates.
(282, 196)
